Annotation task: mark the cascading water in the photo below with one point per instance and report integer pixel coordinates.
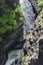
(29, 18)
(28, 14)
(12, 56)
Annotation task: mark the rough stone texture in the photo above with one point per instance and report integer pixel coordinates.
(3, 58)
(31, 45)
(11, 3)
(14, 41)
(41, 51)
(38, 36)
(35, 5)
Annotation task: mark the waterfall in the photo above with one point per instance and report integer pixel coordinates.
(12, 56)
(28, 14)
(29, 19)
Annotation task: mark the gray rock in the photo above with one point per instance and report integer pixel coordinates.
(35, 6)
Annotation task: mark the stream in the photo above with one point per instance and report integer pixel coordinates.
(12, 56)
(28, 14)
(29, 19)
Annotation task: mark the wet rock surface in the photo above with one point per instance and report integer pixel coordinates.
(12, 42)
(30, 47)
(36, 40)
(35, 6)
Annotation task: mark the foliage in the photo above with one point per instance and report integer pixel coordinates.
(2, 30)
(2, 2)
(40, 3)
(9, 20)
(27, 36)
(21, 19)
(26, 59)
(1, 40)
(34, 14)
(18, 9)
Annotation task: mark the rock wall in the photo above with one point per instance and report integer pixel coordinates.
(35, 6)
(14, 40)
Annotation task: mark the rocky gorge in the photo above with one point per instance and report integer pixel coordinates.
(22, 47)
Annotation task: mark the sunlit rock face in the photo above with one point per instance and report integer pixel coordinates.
(28, 14)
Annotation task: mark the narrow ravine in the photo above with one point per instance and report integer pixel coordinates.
(29, 19)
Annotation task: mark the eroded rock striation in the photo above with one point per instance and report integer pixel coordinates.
(33, 44)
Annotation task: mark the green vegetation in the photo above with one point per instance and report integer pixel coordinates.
(1, 40)
(10, 19)
(40, 3)
(34, 14)
(27, 36)
(2, 2)
(26, 59)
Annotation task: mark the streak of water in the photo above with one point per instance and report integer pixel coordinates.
(29, 18)
(28, 14)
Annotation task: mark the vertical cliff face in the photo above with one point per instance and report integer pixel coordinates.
(36, 41)
(32, 44)
(11, 3)
(35, 6)
(41, 51)
(8, 4)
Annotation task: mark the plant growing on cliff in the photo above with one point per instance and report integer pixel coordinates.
(27, 36)
(26, 60)
(40, 3)
(10, 19)
(1, 40)
(2, 2)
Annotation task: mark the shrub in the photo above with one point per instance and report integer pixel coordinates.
(9, 19)
(40, 3)
(26, 59)
(8, 28)
(1, 40)
(18, 9)
(21, 19)
(2, 30)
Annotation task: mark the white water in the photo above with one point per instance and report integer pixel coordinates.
(12, 56)
(28, 14)
(29, 18)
